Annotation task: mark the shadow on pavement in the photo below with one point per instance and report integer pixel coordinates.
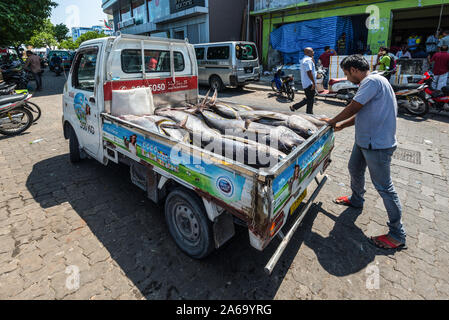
(133, 230)
(347, 249)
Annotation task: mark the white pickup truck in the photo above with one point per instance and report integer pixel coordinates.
(203, 200)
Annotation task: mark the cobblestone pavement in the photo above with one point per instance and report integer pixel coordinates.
(64, 224)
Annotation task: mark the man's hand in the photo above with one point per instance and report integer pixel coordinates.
(313, 86)
(329, 121)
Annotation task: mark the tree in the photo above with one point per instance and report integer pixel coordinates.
(19, 19)
(60, 32)
(68, 44)
(44, 37)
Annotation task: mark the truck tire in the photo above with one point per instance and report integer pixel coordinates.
(74, 147)
(188, 223)
(215, 82)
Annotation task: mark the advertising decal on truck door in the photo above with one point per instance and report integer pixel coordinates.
(82, 110)
(216, 181)
(289, 181)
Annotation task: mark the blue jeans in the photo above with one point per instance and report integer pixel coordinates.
(378, 163)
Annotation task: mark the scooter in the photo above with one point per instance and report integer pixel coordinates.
(438, 99)
(15, 118)
(58, 69)
(412, 97)
(283, 84)
(340, 88)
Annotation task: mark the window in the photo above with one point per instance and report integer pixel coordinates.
(139, 12)
(245, 51)
(215, 53)
(126, 13)
(155, 61)
(83, 77)
(199, 53)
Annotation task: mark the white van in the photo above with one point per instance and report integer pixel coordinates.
(233, 63)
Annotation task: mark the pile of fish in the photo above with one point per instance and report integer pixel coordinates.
(254, 137)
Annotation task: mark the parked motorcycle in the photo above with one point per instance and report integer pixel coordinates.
(6, 89)
(340, 88)
(58, 70)
(437, 99)
(412, 97)
(15, 118)
(283, 84)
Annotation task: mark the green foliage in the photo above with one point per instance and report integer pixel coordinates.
(68, 44)
(20, 19)
(44, 37)
(60, 32)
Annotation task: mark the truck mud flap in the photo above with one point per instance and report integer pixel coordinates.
(286, 238)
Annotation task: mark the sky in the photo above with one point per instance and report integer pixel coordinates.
(78, 13)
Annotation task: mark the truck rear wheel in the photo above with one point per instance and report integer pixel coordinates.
(188, 223)
(215, 83)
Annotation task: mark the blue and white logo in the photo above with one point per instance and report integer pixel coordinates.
(224, 184)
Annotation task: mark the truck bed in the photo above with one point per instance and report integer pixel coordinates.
(256, 196)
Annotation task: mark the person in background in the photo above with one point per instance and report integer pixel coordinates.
(384, 62)
(440, 68)
(308, 80)
(431, 44)
(373, 111)
(324, 60)
(413, 42)
(341, 45)
(404, 53)
(420, 52)
(33, 64)
(445, 40)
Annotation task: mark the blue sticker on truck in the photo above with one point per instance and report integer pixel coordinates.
(289, 181)
(208, 177)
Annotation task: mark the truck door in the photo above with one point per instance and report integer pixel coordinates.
(83, 97)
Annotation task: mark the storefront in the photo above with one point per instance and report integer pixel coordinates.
(376, 16)
(177, 19)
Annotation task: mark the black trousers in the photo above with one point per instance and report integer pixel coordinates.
(38, 78)
(309, 99)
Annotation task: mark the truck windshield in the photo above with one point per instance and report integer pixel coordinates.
(245, 51)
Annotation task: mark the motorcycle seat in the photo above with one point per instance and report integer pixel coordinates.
(406, 86)
(437, 94)
(12, 98)
(287, 77)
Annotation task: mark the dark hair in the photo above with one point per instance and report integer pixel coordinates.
(326, 48)
(444, 48)
(356, 61)
(29, 52)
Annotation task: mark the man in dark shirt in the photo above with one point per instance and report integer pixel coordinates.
(440, 68)
(325, 59)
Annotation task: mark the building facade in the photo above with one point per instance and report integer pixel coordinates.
(78, 31)
(199, 21)
(375, 23)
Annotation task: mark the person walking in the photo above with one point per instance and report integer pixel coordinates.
(440, 68)
(373, 111)
(33, 63)
(325, 59)
(308, 80)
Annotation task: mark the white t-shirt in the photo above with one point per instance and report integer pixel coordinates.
(307, 64)
(132, 148)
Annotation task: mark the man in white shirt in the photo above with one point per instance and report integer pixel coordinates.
(308, 78)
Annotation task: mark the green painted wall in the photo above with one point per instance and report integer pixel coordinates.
(303, 11)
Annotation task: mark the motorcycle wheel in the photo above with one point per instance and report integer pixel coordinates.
(35, 109)
(15, 121)
(417, 105)
(290, 94)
